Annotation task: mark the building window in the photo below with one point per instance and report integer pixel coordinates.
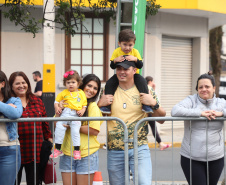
(86, 51)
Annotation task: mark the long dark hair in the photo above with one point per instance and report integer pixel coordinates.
(5, 90)
(86, 80)
(12, 79)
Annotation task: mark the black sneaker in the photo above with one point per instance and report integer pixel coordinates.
(147, 109)
(105, 110)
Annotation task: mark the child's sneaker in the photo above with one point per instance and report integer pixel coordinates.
(105, 110)
(77, 155)
(147, 109)
(104, 146)
(56, 153)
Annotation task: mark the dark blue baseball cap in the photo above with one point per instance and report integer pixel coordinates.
(126, 64)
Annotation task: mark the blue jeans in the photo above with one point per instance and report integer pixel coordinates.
(116, 166)
(8, 162)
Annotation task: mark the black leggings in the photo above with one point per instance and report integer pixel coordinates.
(29, 170)
(199, 171)
(155, 131)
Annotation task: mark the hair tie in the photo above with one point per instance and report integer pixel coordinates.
(68, 73)
(210, 73)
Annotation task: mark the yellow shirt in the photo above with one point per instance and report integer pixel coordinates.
(75, 100)
(126, 106)
(93, 111)
(118, 52)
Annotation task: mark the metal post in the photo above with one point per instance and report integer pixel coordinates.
(155, 153)
(172, 153)
(107, 142)
(53, 126)
(71, 151)
(88, 157)
(190, 157)
(118, 21)
(17, 153)
(48, 86)
(224, 148)
(126, 151)
(35, 153)
(207, 162)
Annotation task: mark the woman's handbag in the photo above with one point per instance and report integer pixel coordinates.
(48, 175)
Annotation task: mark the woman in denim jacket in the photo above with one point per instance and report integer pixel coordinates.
(10, 107)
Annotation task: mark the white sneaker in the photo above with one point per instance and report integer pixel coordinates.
(104, 147)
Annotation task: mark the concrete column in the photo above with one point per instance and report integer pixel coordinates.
(48, 86)
(49, 32)
(152, 58)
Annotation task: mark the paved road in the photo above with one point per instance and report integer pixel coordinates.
(165, 167)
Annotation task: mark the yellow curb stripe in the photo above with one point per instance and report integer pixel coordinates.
(152, 145)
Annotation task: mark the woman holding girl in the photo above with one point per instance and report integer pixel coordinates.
(203, 140)
(11, 108)
(80, 174)
(32, 107)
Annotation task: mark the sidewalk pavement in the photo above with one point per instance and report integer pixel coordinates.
(168, 137)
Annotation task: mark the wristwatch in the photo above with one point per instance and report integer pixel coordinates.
(156, 106)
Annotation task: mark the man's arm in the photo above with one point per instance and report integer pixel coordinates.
(38, 89)
(38, 93)
(149, 100)
(105, 100)
(160, 112)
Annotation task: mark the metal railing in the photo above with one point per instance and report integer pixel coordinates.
(48, 119)
(126, 140)
(174, 119)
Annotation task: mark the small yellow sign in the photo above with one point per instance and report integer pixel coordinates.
(48, 85)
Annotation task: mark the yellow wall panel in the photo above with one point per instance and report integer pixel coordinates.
(36, 2)
(218, 6)
(175, 4)
(207, 5)
(48, 85)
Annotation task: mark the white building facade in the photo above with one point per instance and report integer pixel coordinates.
(176, 50)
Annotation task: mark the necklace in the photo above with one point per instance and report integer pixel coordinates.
(76, 97)
(126, 89)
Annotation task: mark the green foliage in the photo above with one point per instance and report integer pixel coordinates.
(68, 14)
(152, 8)
(20, 13)
(105, 7)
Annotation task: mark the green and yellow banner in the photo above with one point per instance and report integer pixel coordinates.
(138, 24)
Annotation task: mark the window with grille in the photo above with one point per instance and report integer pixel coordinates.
(86, 51)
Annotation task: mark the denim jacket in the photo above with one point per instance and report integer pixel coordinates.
(11, 113)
